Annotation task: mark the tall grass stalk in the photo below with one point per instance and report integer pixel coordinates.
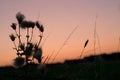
(45, 59)
(98, 42)
(44, 40)
(95, 47)
(84, 48)
(50, 57)
(118, 45)
(64, 43)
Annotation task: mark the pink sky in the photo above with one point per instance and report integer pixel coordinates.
(60, 17)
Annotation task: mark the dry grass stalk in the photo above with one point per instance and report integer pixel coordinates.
(64, 43)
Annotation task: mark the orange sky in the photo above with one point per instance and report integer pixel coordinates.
(60, 17)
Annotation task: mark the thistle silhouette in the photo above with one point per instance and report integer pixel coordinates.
(28, 51)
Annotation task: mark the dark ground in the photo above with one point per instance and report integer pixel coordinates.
(87, 69)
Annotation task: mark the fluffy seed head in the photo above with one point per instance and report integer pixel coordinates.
(20, 17)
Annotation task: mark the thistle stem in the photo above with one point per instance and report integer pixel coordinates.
(15, 45)
(27, 35)
(16, 48)
(19, 35)
(16, 33)
(31, 35)
(40, 40)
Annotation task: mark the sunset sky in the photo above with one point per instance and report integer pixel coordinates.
(59, 18)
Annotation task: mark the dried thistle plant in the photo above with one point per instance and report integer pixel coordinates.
(28, 50)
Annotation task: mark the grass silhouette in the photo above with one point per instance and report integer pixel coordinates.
(64, 43)
(86, 43)
(88, 68)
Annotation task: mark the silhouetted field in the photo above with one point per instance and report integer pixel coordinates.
(100, 67)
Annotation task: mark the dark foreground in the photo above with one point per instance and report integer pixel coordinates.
(72, 71)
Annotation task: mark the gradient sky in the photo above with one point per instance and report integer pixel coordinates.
(60, 17)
